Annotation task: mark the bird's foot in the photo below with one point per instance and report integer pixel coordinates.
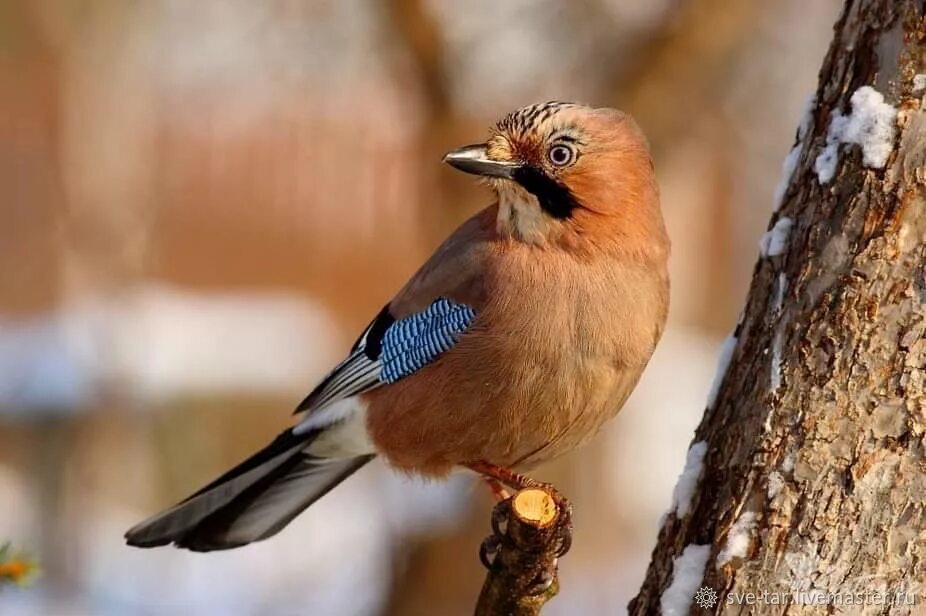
(498, 477)
(564, 527)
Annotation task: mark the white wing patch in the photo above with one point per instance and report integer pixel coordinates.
(346, 435)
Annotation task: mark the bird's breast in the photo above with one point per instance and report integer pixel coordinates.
(552, 354)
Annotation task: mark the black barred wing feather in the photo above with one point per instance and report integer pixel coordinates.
(417, 340)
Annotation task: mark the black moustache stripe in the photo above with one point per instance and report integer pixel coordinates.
(555, 199)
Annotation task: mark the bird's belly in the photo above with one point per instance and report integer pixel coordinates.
(506, 412)
(560, 409)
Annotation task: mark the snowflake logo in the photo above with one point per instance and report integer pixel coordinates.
(706, 597)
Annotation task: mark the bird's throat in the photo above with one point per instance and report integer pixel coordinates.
(520, 216)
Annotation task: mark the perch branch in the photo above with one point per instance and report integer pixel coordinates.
(531, 530)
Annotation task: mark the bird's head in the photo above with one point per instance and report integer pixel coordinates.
(570, 175)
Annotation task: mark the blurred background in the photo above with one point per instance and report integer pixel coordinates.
(203, 204)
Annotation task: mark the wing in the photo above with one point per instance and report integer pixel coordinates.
(356, 374)
(424, 319)
(390, 349)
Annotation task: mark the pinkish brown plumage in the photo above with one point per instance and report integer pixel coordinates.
(568, 310)
(525, 331)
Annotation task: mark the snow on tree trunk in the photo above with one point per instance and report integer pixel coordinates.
(807, 479)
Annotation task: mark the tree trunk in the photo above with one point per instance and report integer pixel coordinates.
(806, 482)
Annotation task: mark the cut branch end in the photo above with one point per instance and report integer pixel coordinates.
(531, 530)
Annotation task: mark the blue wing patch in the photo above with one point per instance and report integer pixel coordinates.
(411, 343)
(389, 350)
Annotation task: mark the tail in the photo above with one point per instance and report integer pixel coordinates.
(252, 501)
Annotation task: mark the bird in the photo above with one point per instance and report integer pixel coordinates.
(523, 333)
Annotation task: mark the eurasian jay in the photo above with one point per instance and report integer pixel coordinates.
(525, 331)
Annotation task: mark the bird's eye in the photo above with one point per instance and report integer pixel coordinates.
(561, 155)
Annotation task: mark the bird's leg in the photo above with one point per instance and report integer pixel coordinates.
(498, 490)
(504, 475)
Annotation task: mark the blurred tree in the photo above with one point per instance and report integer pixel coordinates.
(806, 480)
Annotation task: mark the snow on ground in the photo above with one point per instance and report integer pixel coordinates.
(336, 558)
(158, 342)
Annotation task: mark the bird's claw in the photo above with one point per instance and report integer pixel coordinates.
(499, 518)
(564, 526)
(489, 547)
(488, 550)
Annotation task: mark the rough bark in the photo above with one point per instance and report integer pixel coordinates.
(813, 486)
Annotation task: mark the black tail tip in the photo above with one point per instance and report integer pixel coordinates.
(138, 539)
(141, 543)
(192, 542)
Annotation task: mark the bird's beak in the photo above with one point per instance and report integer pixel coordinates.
(474, 159)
